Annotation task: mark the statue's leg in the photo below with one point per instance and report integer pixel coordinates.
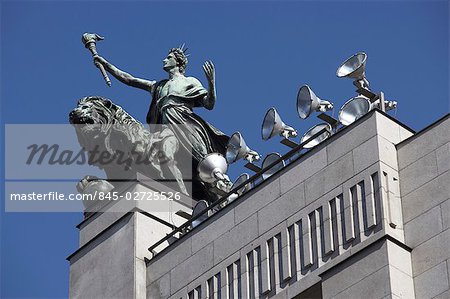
(169, 148)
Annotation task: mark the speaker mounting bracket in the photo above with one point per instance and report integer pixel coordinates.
(289, 143)
(367, 93)
(333, 122)
(373, 97)
(253, 167)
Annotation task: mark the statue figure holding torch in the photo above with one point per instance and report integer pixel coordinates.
(173, 101)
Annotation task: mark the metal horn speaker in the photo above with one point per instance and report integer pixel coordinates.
(212, 168)
(241, 179)
(354, 109)
(314, 130)
(307, 102)
(273, 125)
(237, 149)
(354, 67)
(269, 159)
(201, 206)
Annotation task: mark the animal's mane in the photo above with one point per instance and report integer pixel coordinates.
(118, 113)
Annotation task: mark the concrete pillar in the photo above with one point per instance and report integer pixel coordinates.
(110, 262)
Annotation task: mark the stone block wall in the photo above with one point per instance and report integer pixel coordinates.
(424, 164)
(382, 270)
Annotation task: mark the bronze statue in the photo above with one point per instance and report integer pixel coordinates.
(173, 100)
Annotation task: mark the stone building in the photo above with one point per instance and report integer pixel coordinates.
(365, 214)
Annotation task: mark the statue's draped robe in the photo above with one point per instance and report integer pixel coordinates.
(194, 134)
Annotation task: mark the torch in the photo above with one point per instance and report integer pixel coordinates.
(89, 40)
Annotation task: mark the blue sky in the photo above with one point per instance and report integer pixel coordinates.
(263, 52)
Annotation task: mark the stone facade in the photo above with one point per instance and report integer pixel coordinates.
(424, 165)
(365, 214)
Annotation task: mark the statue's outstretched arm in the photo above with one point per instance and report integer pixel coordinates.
(210, 98)
(124, 77)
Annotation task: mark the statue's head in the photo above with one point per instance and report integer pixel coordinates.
(176, 57)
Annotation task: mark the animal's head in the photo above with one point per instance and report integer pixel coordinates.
(103, 126)
(93, 110)
(92, 119)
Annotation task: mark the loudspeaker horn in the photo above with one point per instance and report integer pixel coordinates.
(314, 130)
(273, 125)
(212, 168)
(241, 179)
(307, 101)
(354, 109)
(354, 67)
(237, 149)
(201, 206)
(269, 159)
(358, 106)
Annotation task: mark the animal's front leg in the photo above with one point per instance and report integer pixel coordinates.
(170, 147)
(172, 165)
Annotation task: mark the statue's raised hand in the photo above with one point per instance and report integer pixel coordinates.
(208, 68)
(210, 98)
